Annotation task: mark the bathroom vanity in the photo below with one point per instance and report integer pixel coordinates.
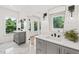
(19, 37)
(53, 45)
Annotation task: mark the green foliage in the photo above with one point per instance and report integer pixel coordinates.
(35, 26)
(10, 25)
(58, 22)
(71, 35)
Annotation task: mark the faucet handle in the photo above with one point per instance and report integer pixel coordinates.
(58, 36)
(51, 34)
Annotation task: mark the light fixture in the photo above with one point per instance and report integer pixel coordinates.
(71, 9)
(44, 15)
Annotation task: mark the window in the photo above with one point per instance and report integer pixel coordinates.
(10, 25)
(58, 21)
(35, 26)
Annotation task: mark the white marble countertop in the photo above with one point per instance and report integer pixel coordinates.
(60, 41)
(19, 31)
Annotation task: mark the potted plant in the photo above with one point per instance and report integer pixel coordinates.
(71, 35)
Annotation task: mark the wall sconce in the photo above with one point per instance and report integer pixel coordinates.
(71, 9)
(44, 15)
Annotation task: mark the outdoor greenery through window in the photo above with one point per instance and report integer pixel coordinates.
(39, 25)
(10, 25)
(35, 26)
(58, 22)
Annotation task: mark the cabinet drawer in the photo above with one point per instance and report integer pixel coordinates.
(40, 46)
(52, 48)
(69, 51)
(40, 51)
(40, 43)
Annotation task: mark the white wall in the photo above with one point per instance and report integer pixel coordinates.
(4, 12)
(71, 22)
(45, 26)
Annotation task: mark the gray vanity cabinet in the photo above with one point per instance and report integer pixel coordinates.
(46, 47)
(19, 37)
(69, 51)
(52, 48)
(41, 46)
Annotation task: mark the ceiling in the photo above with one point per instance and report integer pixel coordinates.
(29, 8)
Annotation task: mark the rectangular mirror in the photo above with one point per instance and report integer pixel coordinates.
(58, 21)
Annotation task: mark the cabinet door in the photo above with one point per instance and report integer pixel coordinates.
(40, 46)
(69, 51)
(52, 48)
(16, 37)
(22, 37)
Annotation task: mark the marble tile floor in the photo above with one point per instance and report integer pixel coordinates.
(13, 48)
